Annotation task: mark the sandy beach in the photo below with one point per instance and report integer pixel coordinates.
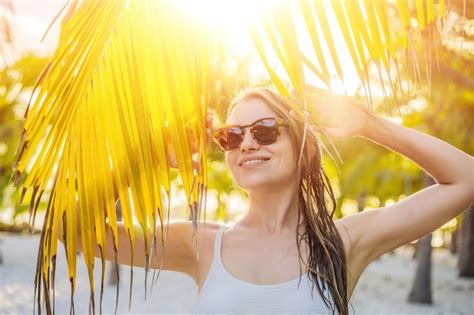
(382, 289)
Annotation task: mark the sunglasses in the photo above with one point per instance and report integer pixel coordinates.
(264, 131)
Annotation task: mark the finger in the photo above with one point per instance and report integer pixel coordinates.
(196, 165)
(209, 119)
(172, 161)
(208, 137)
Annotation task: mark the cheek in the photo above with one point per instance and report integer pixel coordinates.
(230, 160)
(289, 153)
(227, 158)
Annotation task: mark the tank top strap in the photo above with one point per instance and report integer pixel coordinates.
(218, 242)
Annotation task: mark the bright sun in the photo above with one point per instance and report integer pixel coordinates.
(231, 18)
(225, 13)
(228, 19)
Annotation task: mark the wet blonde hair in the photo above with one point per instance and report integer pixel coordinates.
(326, 263)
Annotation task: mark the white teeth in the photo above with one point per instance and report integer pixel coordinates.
(253, 161)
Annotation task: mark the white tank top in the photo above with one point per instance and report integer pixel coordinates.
(222, 293)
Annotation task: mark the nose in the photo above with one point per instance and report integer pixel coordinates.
(248, 143)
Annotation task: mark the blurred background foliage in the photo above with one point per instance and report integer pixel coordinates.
(370, 176)
(16, 84)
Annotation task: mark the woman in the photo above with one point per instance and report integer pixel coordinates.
(287, 254)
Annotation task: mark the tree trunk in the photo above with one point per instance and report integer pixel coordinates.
(361, 201)
(453, 247)
(421, 289)
(413, 257)
(466, 252)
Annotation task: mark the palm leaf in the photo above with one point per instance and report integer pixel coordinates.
(366, 32)
(101, 115)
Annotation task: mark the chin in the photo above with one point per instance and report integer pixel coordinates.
(252, 185)
(257, 179)
(251, 182)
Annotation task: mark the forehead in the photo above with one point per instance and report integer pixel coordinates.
(248, 111)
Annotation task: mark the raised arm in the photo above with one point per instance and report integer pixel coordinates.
(369, 234)
(375, 232)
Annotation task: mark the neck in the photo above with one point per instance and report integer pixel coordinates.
(273, 211)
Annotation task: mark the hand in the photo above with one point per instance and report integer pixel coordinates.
(173, 162)
(338, 116)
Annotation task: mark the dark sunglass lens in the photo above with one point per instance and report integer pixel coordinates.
(266, 132)
(230, 138)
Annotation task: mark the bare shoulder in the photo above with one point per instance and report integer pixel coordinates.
(207, 229)
(203, 233)
(203, 243)
(192, 247)
(179, 248)
(184, 232)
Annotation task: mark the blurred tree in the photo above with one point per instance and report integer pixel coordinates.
(421, 288)
(16, 82)
(466, 252)
(453, 245)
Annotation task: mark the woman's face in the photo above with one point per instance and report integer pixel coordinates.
(278, 167)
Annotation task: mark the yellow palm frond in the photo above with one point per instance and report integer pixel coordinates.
(366, 31)
(102, 114)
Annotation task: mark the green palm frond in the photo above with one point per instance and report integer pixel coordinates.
(126, 76)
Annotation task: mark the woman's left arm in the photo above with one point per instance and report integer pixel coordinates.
(375, 232)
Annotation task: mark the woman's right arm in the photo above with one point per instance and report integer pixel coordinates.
(179, 251)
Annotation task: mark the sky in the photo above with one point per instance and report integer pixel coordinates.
(29, 22)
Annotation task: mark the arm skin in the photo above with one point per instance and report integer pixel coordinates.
(179, 254)
(372, 233)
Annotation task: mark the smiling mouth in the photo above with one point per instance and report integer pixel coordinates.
(253, 163)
